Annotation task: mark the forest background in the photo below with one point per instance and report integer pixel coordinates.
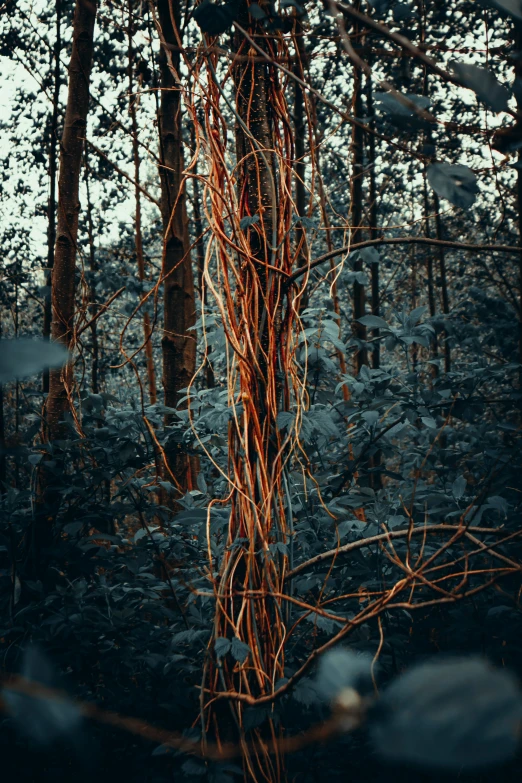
(260, 387)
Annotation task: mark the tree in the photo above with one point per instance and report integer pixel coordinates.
(64, 267)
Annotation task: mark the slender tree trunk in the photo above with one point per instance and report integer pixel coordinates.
(95, 364)
(178, 344)
(63, 281)
(3, 458)
(518, 74)
(51, 205)
(376, 296)
(300, 150)
(356, 209)
(138, 240)
(443, 281)
(200, 256)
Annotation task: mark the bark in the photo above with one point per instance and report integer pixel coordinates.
(518, 74)
(299, 165)
(138, 241)
(200, 256)
(257, 514)
(73, 137)
(355, 214)
(376, 298)
(178, 344)
(51, 205)
(443, 281)
(3, 459)
(95, 363)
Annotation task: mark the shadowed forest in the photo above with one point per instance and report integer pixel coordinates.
(260, 390)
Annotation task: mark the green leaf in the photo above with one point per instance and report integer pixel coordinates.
(256, 12)
(459, 487)
(454, 182)
(214, 19)
(221, 646)
(511, 7)
(240, 651)
(248, 221)
(373, 322)
(486, 86)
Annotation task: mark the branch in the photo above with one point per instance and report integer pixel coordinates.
(353, 545)
(402, 241)
(406, 44)
(102, 309)
(102, 154)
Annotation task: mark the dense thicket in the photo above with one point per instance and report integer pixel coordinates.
(281, 243)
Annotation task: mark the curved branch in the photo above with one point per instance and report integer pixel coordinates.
(353, 545)
(402, 241)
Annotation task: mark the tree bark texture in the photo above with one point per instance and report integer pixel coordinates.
(356, 210)
(51, 205)
(138, 238)
(71, 149)
(178, 344)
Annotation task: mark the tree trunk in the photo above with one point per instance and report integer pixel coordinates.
(443, 281)
(95, 364)
(178, 344)
(355, 213)
(375, 285)
(518, 75)
(200, 256)
(63, 280)
(138, 241)
(3, 458)
(261, 313)
(51, 205)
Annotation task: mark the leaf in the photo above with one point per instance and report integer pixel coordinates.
(511, 7)
(370, 255)
(194, 767)
(247, 221)
(256, 12)
(381, 6)
(459, 487)
(214, 19)
(340, 669)
(24, 356)
(454, 182)
(403, 12)
(455, 714)
(202, 484)
(373, 322)
(221, 646)
(486, 86)
(429, 422)
(240, 651)
(392, 106)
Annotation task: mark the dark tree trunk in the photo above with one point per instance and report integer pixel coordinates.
(73, 137)
(356, 209)
(51, 205)
(138, 241)
(95, 348)
(518, 75)
(178, 344)
(3, 459)
(376, 297)
(443, 281)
